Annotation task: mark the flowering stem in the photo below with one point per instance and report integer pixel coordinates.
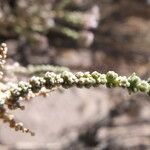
(50, 80)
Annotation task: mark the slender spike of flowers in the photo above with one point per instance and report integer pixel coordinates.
(34, 69)
(9, 118)
(3, 55)
(67, 79)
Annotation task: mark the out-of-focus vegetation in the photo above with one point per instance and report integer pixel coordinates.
(90, 35)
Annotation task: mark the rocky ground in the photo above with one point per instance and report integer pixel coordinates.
(83, 119)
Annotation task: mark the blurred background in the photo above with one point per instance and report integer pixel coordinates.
(83, 35)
